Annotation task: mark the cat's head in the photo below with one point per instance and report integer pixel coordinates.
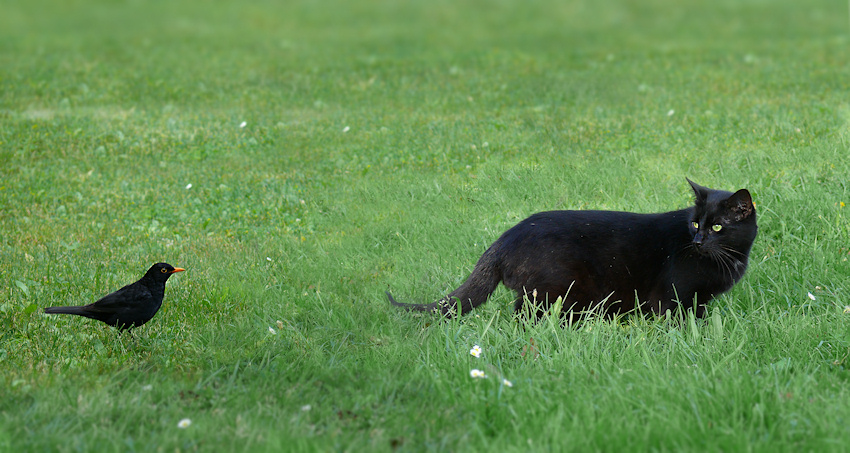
(723, 224)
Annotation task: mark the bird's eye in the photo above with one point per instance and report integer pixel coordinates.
(717, 227)
(695, 224)
(164, 270)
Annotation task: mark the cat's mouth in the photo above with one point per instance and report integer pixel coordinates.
(724, 256)
(701, 249)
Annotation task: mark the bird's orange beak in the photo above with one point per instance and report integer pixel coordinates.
(177, 269)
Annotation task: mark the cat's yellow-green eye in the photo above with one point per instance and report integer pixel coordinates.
(695, 224)
(717, 227)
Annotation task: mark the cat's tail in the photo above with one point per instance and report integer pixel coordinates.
(473, 292)
(415, 307)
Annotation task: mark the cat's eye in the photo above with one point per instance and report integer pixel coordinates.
(717, 227)
(695, 224)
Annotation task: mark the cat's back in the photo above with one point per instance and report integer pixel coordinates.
(591, 228)
(601, 221)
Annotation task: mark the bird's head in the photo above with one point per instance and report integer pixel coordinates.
(161, 271)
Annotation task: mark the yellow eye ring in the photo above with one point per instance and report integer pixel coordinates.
(717, 227)
(695, 224)
(164, 270)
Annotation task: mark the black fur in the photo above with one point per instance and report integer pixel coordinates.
(616, 262)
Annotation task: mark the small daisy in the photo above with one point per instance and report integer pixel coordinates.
(272, 331)
(476, 373)
(671, 112)
(346, 129)
(188, 186)
(812, 296)
(507, 383)
(185, 423)
(244, 123)
(475, 351)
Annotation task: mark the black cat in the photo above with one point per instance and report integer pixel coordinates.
(616, 262)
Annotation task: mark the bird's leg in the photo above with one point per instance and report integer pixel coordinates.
(133, 337)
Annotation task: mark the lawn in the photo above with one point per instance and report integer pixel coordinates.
(301, 158)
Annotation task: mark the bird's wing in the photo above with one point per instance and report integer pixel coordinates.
(126, 297)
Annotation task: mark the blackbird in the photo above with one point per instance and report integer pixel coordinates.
(130, 306)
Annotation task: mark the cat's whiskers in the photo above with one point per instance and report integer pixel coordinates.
(722, 256)
(727, 261)
(731, 250)
(690, 246)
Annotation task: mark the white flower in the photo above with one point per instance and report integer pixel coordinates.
(272, 331)
(306, 407)
(671, 112)
(475, 351)
(185, 423)
(507, 383)
(346, 129)
(188, 186)
(268, 258)
(244, 123)
(812, 296)
(147, 388)
(476, 373)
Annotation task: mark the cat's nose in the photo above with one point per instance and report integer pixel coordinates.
(698, 240)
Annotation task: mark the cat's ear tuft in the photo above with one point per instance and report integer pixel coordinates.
(700, 192)
(741, 204)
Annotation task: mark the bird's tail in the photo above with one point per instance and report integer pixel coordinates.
(81, 311)
(472, 293)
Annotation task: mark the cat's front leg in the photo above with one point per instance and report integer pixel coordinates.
(702, 300)
(661, 307)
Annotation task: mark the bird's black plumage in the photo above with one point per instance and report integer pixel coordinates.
(130, 306)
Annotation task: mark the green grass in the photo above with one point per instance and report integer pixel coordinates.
(387, 145)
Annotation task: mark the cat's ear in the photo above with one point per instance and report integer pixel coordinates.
(700, 192)
(740, 204)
